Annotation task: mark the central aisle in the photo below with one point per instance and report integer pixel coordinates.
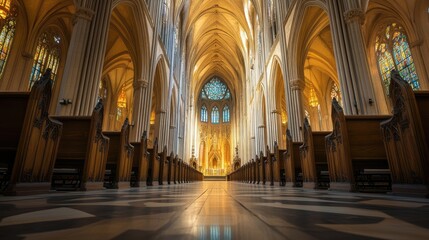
(213, 210)
(215, 214)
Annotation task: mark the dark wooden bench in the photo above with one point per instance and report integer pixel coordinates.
(278, 159)
(174, 168)
(29, 139)
(119, 158)
(153, 166)
(139, 172)
(269, 166)
(314, 164)
(170, 170)
(82, 153)
(262, 166)
(163, 169)
(355, 145)
(293, 162)
(406, 137)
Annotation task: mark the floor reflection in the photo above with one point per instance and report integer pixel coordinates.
(213, 210)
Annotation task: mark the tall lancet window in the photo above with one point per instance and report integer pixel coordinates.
(6, 38)
(226, 117)
(121, 105)
(47, 55)
(204, 114)
(393, 52)
(215, 102)
(215, 115)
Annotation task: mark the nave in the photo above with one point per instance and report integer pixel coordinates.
(213, 210)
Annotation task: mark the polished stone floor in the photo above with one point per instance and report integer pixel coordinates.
(213, 210)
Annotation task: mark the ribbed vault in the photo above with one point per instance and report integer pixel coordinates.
(218, 35)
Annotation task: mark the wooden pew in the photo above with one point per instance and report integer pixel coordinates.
(262, 161)
(293, 163)
(82, 153)
(279, 165)
(313, 159)
(29, 139)
(406, 137)
(162, 169)
(255, 171)
(258, 169)
(355, 153)
(170, 160)
(153, 168)
(269, 166)
(139, 172)
(119, 158)
(174, 168)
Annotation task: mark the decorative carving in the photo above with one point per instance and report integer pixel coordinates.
(44, 87)
(98, 114)
(307, 130)
(335, 137)
(126, 130)
(141, 83)
(354, 15)
(297, 84)
(392, 128)
(83, 13)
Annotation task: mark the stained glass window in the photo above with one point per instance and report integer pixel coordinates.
(226, 116)
(47, 55)
(121, 105)
(6, 38)
(393, 52)
(215, 115)
(204, 114)
(215, 90)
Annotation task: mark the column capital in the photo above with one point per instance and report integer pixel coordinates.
(141, 83)
(83, 13)
(297, 84)
(354, 15)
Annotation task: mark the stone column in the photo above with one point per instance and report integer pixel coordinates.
(162, 128)
(296, 113)
(85, 57)
(140, 108)
(171, 146)
(346, 18)
(275, 121)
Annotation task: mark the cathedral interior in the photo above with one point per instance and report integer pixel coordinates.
(214, 119)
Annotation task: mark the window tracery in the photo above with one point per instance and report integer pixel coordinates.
(47, 55)
(393, 52)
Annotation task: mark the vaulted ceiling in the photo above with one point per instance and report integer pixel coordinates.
(219, 34)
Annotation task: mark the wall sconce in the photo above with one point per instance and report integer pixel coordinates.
(370, 101)
(65, 101)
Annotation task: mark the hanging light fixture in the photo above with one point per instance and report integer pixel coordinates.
(4, 8)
